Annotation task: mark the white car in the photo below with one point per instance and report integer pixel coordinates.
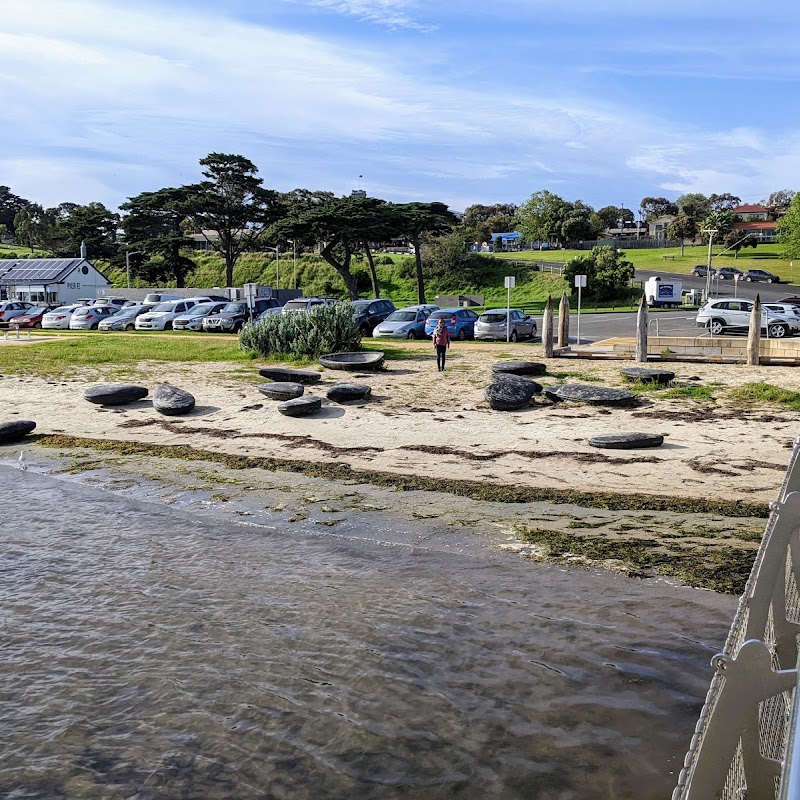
(192, 320)
(730, 316)
(58, 318)
(88, 318)
(161, 316)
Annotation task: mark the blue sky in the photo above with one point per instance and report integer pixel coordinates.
(458, 102)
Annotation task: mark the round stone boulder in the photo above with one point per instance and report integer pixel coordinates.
(285, 374)
(644, 375)
(593, 395)
(509, 395)
(627, 441)
(510, 377)
(15, 430)
(346, 392)
(301, 406)
(282, 390)
(520, 367)
(172, 401)
(114, 394)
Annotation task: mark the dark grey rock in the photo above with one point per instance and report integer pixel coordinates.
(353, 361)
(172, 401)
(343, 392)
(520, 367)
(499, 377)
(282, 390)
(594, 395)
(15, 430)
(286, 374)
(645, 375)
(627, 441)
(509, 395)
(114, 394)
(301, 406)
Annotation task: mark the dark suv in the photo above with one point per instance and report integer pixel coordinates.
(761, 275)
(728, 273)
(368, 313)
(234, 315)
(701, 270)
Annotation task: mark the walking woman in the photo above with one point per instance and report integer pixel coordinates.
(441, 341)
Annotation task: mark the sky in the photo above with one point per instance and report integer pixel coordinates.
(411, 100)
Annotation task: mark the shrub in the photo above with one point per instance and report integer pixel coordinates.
(327, 329)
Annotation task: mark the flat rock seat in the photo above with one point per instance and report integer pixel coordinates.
(172, 401)
(510, 377)
(345, 392)
(509, 395)
(645, 375)
(285, 374)
(593, 395)
(627, 441)
(301, 406)
(520, 367)
(115, 394)
(15, 430)
(282, 390)
(353, 362)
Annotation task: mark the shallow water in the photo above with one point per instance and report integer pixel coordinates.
(149, 653)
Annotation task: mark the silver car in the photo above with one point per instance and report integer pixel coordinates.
(13, 308)
(58, 318)
(124, 319)
(88, 318)
(491, 325)
(405, 323)
(192, 320)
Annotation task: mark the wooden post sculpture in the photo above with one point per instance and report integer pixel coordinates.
(754, 333)
(641, 330)
(563, 321)
(547, 328)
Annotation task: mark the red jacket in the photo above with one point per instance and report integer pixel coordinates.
(442, 338)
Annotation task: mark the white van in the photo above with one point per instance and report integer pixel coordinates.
(157, 297)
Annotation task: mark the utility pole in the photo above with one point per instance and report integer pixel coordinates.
(710, 232)
(128, 254)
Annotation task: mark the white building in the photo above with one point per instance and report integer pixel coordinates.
(51, 280)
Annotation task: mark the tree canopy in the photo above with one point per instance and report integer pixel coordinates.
(607, 272)
(789, 230)
(10, 204)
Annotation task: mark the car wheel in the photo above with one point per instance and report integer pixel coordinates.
(777, 331)
(237, 328)
(37, 324)
(513, 336)
(130, 326)
(715, 327)
(769, 280)
(411, 335)
(748, 279)
(95, 326)
(462, 334)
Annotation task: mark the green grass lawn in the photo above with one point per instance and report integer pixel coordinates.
(7, 250)
(765, 256)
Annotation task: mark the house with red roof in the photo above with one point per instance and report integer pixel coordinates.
(757, 220)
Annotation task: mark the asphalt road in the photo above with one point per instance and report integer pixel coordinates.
(594, 327)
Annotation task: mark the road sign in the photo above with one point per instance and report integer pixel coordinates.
(510, 281)
(580, 281)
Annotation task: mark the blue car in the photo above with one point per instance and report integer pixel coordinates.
(460, 322)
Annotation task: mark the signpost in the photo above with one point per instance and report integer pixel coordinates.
(735, 283)
(580, 283)
(510, 280)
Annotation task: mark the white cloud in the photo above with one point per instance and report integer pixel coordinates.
(390, 13)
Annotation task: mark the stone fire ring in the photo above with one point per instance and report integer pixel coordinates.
(627, 441)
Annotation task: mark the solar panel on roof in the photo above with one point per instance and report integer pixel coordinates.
(39, 269)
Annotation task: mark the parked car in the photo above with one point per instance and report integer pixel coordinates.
(491, 325)
(160, 317)
(405, 323)
(728, 316)
(233, 316)
(368, 313)
(783, 309)
(460, 322)
(727, 273)
(192, 320)
(154, 298)
(88, 318)
(793, 300)
(125, 318)
(761, 275)
(307, 303)
(58, 318)
(32, 318)
(701, 271)
(119, 302)
(13, 308)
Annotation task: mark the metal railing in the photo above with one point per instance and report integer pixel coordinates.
(746, 743)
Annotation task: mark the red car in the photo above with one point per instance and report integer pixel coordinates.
(32, 318)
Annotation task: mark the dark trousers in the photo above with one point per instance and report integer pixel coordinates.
(441, 352)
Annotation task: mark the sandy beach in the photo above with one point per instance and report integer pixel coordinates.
(421, 422)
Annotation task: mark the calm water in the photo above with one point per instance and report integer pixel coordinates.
(146, 653)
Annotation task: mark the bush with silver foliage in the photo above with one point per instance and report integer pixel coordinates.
(303, 334)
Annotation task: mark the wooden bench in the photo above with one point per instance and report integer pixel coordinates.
(672, 258)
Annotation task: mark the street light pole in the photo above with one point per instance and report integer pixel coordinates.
(128, 254)
(277, 250)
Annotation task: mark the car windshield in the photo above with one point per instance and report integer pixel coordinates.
(493, 317)
(61, 310)
(402, 316)
(164, 307)
(127, 312)
(234, 308)
(360, 305)
(295, 305)
(203, 308)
